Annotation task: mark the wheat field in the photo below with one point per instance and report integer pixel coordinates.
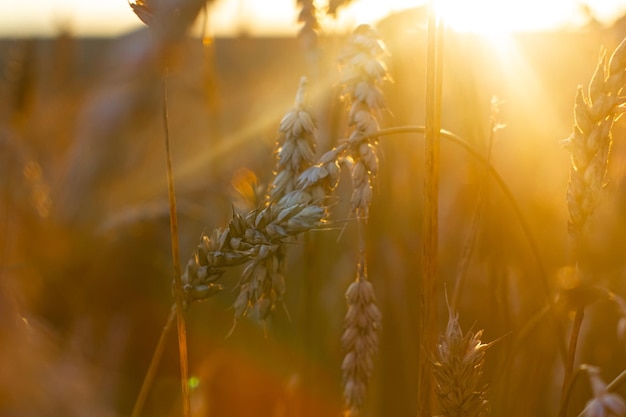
(306, 251)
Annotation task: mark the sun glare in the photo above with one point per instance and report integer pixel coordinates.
(494, 17)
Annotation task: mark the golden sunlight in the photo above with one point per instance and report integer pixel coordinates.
(495, 17)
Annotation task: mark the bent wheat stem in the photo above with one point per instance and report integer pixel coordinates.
(508, 194)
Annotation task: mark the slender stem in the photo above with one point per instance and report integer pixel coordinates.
(571, 354)
(617, 382)
(430, 272)
(178, 289)
(470, 244)
(567, 391)
(154, 365)
(542, 275)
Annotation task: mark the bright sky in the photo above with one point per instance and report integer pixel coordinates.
(228, 17)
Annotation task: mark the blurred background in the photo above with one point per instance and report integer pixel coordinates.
(85, 261)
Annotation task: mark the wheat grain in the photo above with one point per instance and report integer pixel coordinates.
(295, 147)
(362, 73)
(458, 371)
(590, 146)
(590, 141)
(293, 205)
(360, 341)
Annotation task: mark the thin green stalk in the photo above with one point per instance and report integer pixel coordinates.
(430, 271)
(154, 365)
(178, 288)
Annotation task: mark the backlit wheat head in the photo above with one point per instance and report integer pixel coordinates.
(362, 73)
(458, 371)
(257, 238)
(360, 341)
(590, 141)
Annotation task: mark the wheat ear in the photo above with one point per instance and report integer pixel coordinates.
(294, 204)
(590, 146)
(590, 141)
(360, 341)
(362, 73)
(458, 372)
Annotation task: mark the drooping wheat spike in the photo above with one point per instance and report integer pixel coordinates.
(458, 371)
(362, 73)
(295, 147)
(295, 203)
(360, 342)
(253, 238)
(590, 141)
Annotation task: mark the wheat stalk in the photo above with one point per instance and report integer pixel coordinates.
(167, 28)
(590, 146)
(430, 270)
(590, 142)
